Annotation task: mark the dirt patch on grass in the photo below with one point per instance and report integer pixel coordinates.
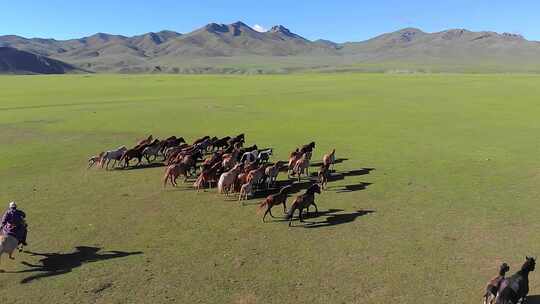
(247, 298)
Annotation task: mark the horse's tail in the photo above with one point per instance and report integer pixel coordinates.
(262, 206)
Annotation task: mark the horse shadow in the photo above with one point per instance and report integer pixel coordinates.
(311, 214)
(534, 299)
(334, 219)
(352, 188)
(337, 161)
(296, 187)
(142, 166)
(53, 264)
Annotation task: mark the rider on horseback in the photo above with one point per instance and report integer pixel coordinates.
(13, 223)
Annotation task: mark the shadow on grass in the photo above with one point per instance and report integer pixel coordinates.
(142, 166)
(334, 219)
(53, 264)
(352, 188)
(338, 161)
(534, 299)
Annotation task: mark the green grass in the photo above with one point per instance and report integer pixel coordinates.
(454, 190)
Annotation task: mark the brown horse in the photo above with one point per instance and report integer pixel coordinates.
(330, 159)
(493, 285)
(302, 165)
(172, 172)
(274, 200)
(207, 176)
(307, 148)
(293, 158)
(324, 173)
(303, 201)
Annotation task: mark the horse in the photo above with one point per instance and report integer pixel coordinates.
(226, 180)
(220, 143)
(199, 140)
(264, 155)
(330, 159)
(171, 142)
(493, 285)
(172, 172)
(272, 173)
(207, 176)
(293, 158)
(250, 156)
(516, 287)
(274, 200)
(302, 165)
(131, 154)
(114, 155)
(95, 160)
(256, 176)
(145, 141)
(151, 151)
(245, 191)
(8, 244)
(323, 174)
(307, 148)
(303, 201)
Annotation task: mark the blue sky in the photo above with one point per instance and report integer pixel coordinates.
(338, 20)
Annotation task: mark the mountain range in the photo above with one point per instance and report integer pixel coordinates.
(238, 48)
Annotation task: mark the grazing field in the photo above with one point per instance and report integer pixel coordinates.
(453, 191)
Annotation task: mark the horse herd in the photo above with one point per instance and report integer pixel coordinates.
(227, 164)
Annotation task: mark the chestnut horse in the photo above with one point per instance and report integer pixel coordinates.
(303, 201)
(274, 200)
(172, 172)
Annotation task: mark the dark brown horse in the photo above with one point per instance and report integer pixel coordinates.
(308, 148)
(515, 288)
(274, 200)
(493, 285)
(303, 201)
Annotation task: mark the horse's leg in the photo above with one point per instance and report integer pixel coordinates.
(292, 217)
(300, 215)
(284, 208)
(316, 209)
(270, 211)
(265, 213)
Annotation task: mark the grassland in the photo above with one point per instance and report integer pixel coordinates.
(454, 190)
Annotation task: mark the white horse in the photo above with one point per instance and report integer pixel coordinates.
(8, 244)
(264, 155)
(112, 155)
(249, 156)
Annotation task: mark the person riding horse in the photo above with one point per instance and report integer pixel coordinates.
(14, 223)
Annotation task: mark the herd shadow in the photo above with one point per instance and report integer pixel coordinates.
(54, 264)
(534, 299)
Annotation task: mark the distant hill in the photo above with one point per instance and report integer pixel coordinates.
(13, 61)
(238, 48)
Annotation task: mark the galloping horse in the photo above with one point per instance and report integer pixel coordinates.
(516, 287)
(272, 173)
(226, 180)
(330, 159)
(172, 172)
(302, 165)
(303, 201)
(274, 200)
(114, 155)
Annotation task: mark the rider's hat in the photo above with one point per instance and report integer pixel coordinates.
(12, 205)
